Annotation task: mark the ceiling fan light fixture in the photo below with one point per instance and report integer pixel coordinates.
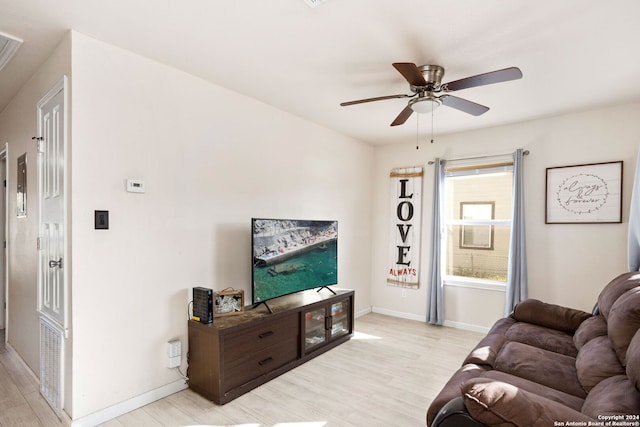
(425, 84)
(425, 105)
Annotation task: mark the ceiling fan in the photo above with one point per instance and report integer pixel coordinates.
(426, 82)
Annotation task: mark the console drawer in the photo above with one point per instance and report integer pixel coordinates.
(259, 337)
(240, 370)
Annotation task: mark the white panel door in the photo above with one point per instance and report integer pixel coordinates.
(51, 149)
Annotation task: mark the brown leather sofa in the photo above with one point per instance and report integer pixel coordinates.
(548, 365)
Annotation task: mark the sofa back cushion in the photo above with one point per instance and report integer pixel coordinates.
(624, 321)
(591, 328)
(633, 361)
(596, 361)
(615, 289)
(549, 315)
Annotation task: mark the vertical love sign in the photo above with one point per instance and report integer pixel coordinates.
(404, 244)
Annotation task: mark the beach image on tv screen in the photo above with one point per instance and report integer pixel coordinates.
(293, 255)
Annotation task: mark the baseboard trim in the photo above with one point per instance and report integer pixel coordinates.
(16, 355)
(448, 323)
(466, 326)
(362, 312)
(129, 405)
(400, 314)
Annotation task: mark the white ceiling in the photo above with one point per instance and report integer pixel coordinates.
(574, 54)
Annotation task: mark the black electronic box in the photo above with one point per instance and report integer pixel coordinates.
(202, 305)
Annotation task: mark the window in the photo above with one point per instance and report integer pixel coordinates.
(476, 236)
(478, 208)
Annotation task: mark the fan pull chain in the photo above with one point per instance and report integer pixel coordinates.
(417, 131)
(432, 113)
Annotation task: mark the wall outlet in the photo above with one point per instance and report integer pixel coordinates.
(403, 293)
(174, 352)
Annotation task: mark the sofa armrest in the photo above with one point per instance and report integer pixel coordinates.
(455, 414)
(549, 315)
(498, 403)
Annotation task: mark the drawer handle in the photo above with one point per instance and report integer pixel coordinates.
(265, 361)
(265, 334)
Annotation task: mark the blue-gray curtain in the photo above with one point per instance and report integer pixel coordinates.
(517, 268)
(634, 222)
(436, 310)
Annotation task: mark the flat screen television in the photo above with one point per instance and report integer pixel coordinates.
(292, 255)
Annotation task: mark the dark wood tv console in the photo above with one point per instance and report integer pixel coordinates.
(236, 354)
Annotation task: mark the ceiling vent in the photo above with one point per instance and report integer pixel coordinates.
(8, 46)
(314, 3)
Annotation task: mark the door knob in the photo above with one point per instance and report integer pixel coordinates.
(54, 264)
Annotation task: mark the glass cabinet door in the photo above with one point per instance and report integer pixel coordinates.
(339, 318)
(314, 328)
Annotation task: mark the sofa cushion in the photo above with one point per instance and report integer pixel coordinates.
(502, 326)
(624, 321)
(633, 361)
(543, 337)
(500, 404)
(613, 396)
(596, 361)
(550, 393)
(452, 388)
(549, 315)
(545, 367)
(615, 289)
(594, 326)
(486, 351)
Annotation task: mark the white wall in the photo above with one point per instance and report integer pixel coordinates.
(18, 124)
(568, 264)
(211, 159)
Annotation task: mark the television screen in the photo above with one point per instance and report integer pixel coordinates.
(292, 255)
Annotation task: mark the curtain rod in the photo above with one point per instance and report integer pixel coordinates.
(524, 153)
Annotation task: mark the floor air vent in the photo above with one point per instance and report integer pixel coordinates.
(51, 364)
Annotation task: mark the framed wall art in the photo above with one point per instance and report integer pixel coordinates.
(228, 302)
(584, 194)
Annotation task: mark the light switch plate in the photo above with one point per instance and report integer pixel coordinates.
(101, 220)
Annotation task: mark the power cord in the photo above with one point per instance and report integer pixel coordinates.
(185, 377)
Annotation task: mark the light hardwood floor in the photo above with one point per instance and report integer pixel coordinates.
(385, 376)
(20, 400)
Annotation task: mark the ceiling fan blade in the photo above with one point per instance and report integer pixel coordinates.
(512, 73)
(379, 98)
(463, 105)
(411, 73)
(403, 116)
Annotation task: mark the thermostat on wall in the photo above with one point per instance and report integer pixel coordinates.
(135, 186)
